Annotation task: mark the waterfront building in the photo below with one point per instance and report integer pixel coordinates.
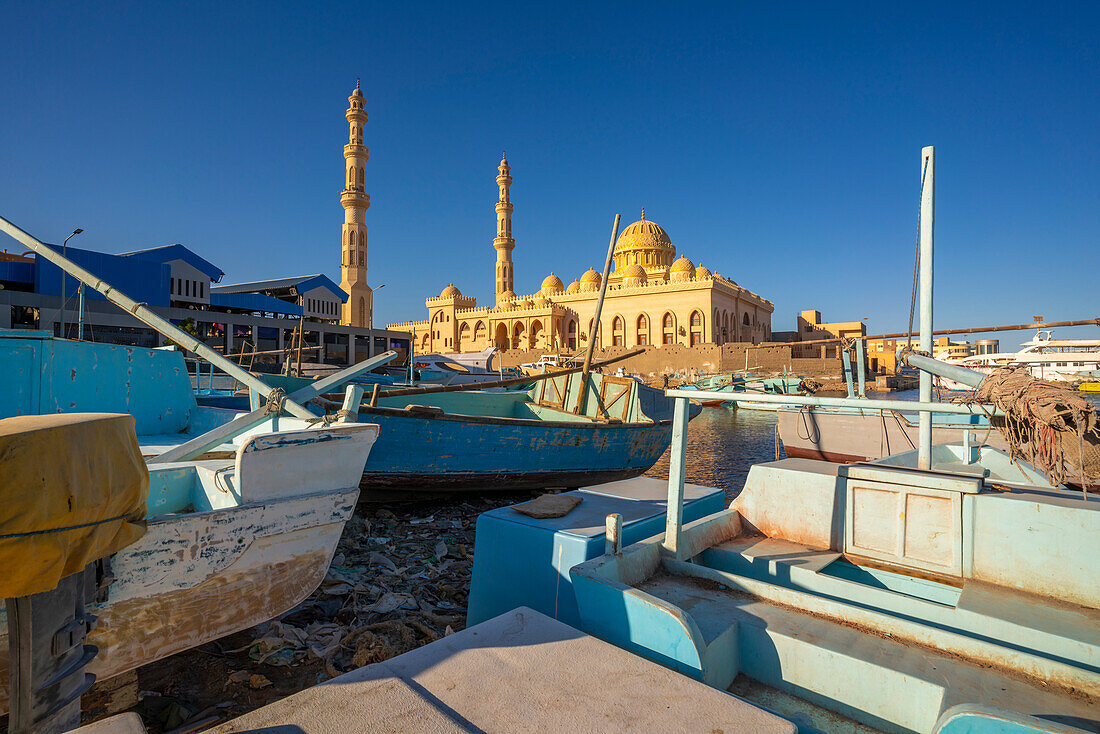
(810, 327)
(653, 297)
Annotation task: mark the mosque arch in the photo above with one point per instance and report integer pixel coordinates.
(538, 335)
(571, 334)
(517, 335)
(697, 328)
(479, 332)
(362, 179)
(463, 335)
(668, 328)
(618, 331)
(641, 332)
(501, 338)
(362, 311)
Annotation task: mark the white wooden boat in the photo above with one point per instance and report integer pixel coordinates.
(230, 543)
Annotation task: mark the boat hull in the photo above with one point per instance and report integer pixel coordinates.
(847, 436)
(473, 453)
(195, 577)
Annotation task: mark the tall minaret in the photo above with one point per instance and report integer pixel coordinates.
(353, 265)
(504, 243)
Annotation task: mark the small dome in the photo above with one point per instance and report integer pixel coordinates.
(633, 271)
(702, 272)
(683, 265)
(552, 284)
(591, 276)
(527, 303)
(451, 292)
(574, 287)
(541, 300)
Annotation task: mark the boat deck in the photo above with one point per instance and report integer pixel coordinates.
(775, 642)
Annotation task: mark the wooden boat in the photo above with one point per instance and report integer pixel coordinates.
(847, 435)
(230, 542)
(484, 441)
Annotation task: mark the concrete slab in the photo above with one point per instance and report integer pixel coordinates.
(519, 672)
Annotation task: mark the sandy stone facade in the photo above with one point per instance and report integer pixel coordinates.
(653, 297)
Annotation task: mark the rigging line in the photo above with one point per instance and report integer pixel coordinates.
(916, 263)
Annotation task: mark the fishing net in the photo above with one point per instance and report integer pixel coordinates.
(1051, 427)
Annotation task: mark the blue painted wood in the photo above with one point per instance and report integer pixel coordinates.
(524, 561)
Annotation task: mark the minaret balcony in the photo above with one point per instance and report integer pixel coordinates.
(351, 197)
(354, 150)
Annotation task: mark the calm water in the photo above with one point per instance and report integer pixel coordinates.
(724, 443)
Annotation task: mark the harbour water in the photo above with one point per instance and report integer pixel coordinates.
(724, 443)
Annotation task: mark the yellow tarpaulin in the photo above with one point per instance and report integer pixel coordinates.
(72, 489)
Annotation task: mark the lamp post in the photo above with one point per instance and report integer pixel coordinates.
(370, 322)
(64, 253)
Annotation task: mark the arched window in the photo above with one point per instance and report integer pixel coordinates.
(362, 182)
(479, 332)
(351, 177)
(362, 311)
(696, 328)
(463, 335)
(746, 319)
(668, 328)
(571, 334)
(351, 239)
(642, 335)
(618, 338)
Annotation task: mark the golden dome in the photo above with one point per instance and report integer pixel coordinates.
(591, 276)
(633, 272)
(552, 284)
(702, 272)
(683, 265)
(451, 292)
(508, 296)
(644, 243)
(527, 302)
(574, 287)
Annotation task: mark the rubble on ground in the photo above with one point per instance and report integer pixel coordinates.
(399, 579)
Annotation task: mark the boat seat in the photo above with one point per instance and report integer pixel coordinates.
(817, 658)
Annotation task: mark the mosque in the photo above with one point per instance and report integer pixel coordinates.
(653, 297)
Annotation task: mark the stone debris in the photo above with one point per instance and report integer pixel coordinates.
(548, 506)
(400, 579)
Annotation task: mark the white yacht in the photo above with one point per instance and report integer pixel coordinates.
(1056, 360)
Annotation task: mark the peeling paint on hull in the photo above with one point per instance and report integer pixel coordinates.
(197, 577)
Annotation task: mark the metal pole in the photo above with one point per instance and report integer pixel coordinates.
(905, 406)
(147, 316)
(599, 301)
(861, 372)
(927, 222)
(80, 313)
(674, 519)
(65, 251)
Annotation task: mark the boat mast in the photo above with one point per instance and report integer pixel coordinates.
(927, 221)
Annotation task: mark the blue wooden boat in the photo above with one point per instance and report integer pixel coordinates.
(504, 440)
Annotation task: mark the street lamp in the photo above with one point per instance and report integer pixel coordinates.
(370, 322)
(64, 252)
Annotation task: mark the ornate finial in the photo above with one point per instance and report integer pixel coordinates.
(643, 212)
(356, 82)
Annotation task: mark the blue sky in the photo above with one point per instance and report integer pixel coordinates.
(777, 143)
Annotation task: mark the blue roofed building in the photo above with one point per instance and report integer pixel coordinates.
(184, 287)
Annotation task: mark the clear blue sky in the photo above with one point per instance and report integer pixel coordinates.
(778, 143)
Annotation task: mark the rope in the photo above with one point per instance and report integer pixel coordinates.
(275, 400)
(1051, 427)
(329, 418)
